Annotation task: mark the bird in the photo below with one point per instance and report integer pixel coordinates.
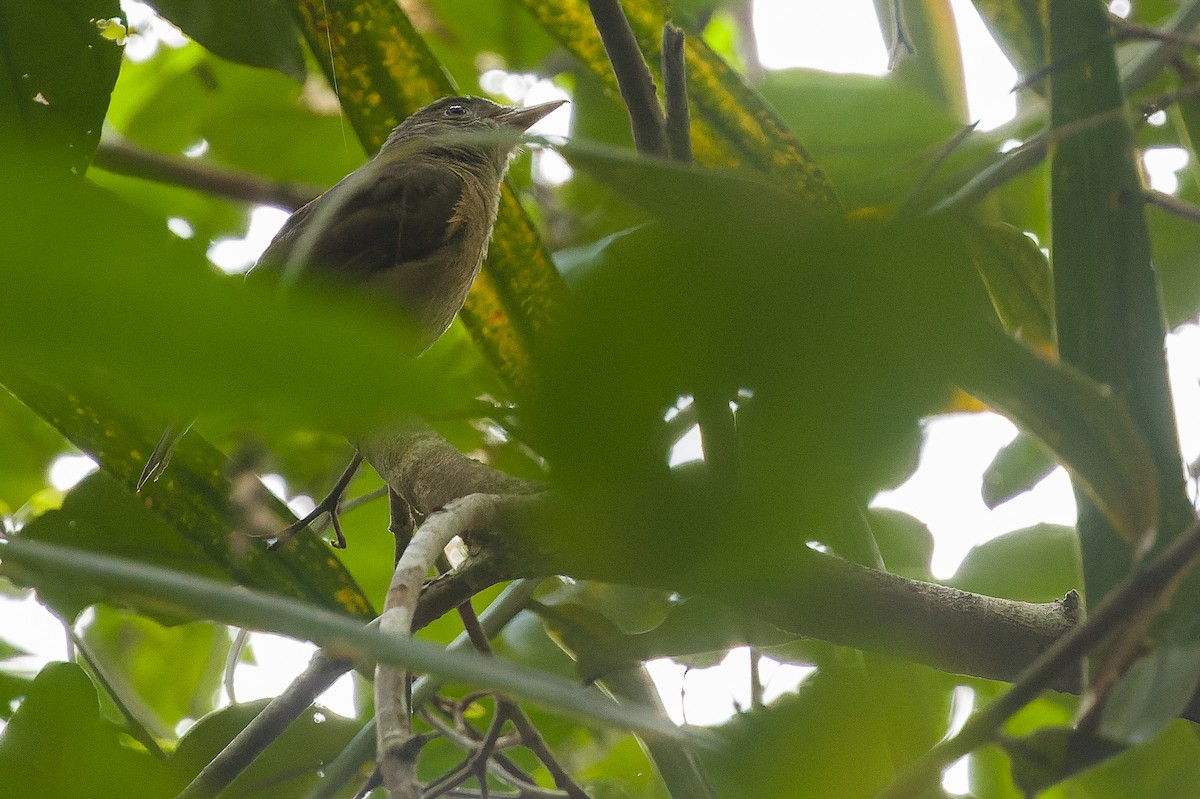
(411, 226)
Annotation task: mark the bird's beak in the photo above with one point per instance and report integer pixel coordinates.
(523, 118)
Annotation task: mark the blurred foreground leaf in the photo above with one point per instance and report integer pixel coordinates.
(58, 745)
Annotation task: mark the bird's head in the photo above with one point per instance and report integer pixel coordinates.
(467, 129)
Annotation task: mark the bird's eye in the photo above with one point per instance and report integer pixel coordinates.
(455, 111)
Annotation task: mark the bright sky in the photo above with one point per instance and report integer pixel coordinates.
(840, 36)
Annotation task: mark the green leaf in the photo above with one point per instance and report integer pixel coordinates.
(186, 594)
(288, 768)
(900, 302)
(1037, 564)
(30, 447)
(175, 671)
(908, 128)
(904, 542)
(56, 73)
(260, 34)
(1166, 767)
(1109, 321)
(1017, 276)
(879, 717)
(1050, 755)
(1018, 466)
(1153, 692)
(102, 517)
(1017, 27)
(251, 119)
(57, 746)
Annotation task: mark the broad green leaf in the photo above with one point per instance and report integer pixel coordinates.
(260, 34)
(1109, 322)
(1018, 466)
(175, 671)
(57, 746)
(1050, 755)
(463, 28)
(1037, 564)
(30, 446)
(1017, 276)
(905, 543)
(908, 129)
(1018, 29)
(250, 119)
(1166, 767)
(56, 72)
(878, 716)
(287, 769)
(101, 516)
(936, 65)
(1156, 689)
(818, 298)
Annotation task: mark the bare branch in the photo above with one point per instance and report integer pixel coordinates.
(122, 158)
(633, 76)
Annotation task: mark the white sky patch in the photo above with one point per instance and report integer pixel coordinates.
(148, 31)
(713, 695)
(67, 470)
(236, 256)
(1163, 165)
(278, 661)
(839, 37)
(988, 75)
(944, 492)
(1183, 364)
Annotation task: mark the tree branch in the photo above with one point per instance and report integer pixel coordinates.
(952, 630)
(123, 158)
(633, 76)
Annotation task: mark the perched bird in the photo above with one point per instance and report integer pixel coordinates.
(410, 226)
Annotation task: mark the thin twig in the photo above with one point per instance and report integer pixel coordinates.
(125, 700)
(328, 505)
(531, 738)
(674, 72)
(1141, 589)
(1128, 29)
(123, 158)
(1148, 64)
(1031, 153)
(1173, 205)
(633, 76)
(349, 505)
(939, 158)
(361, 749)
(235, 653)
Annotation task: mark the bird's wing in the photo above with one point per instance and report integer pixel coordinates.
(386, 214)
